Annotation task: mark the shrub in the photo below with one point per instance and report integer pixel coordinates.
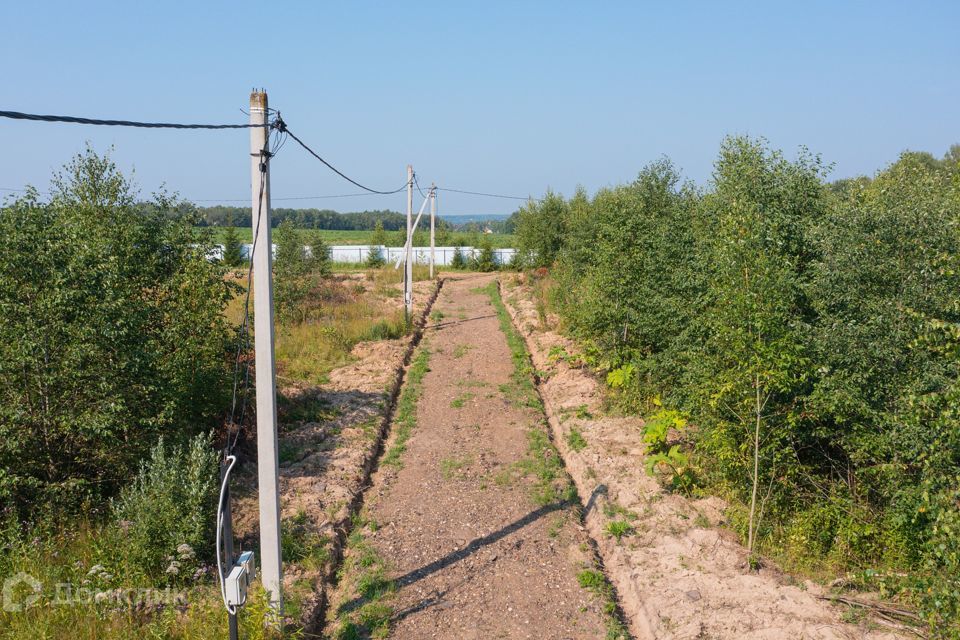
(458, 261)
(887, 259)
(811, 333)
(375, 258)
(485, 260)
(170, 504)
(630, 276)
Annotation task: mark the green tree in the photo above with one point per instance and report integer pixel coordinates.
(631, 276)
(397, 239)
(886, 256)
(485, 260)
(290, 265)
(232, 248)
(378, 239)
(458, 261)
(541, 228)
(755, 357)
(379, 236)
(932, 434)
(319, 260)
(375, 258)
(442, 233)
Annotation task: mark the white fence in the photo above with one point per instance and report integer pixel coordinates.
(421, 255)
(358, 253)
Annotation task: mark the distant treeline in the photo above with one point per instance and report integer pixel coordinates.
(223, 216)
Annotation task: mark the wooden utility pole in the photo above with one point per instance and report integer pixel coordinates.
(408, 268)
(267, 458)
(433, 214)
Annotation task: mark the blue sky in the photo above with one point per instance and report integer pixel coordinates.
(509, 97)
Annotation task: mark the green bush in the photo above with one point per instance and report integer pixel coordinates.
(485, 261)
(375, 258)
(113, 333)
(458, 261)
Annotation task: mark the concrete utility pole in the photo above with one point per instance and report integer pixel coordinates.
(408, 269)
(267, 458)
(433, 214)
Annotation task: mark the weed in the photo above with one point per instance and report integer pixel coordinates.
(503, 478)
(677, 463)
(405, 418)
(309, 350)
(592, 580)
(301, 544)
(657, 427)
(461, 350)
(522, 392)
(306, 407)
(613, 510)
(595, 582)
(583, 413)
(461, 400)
(449, 467)
(575, 440)
(542, 461)
(618, 528)
(368, 613)
(557, 525)
(289, 452)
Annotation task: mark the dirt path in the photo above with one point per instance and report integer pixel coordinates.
(328, 437)
(465, 532)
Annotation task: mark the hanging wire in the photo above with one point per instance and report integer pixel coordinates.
(280, 125)
(417, 182)
(17, 115)
(488, 195)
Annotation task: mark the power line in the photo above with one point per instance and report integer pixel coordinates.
(417, 182)
(282, 127)
(277, 124)
(16, 115)
(488, 195)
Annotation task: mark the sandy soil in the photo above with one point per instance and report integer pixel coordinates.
(679, 575)
(329, 437)
(471, 555)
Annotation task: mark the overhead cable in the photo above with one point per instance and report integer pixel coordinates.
(488, 195)
(16, 115)
(281, 126)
